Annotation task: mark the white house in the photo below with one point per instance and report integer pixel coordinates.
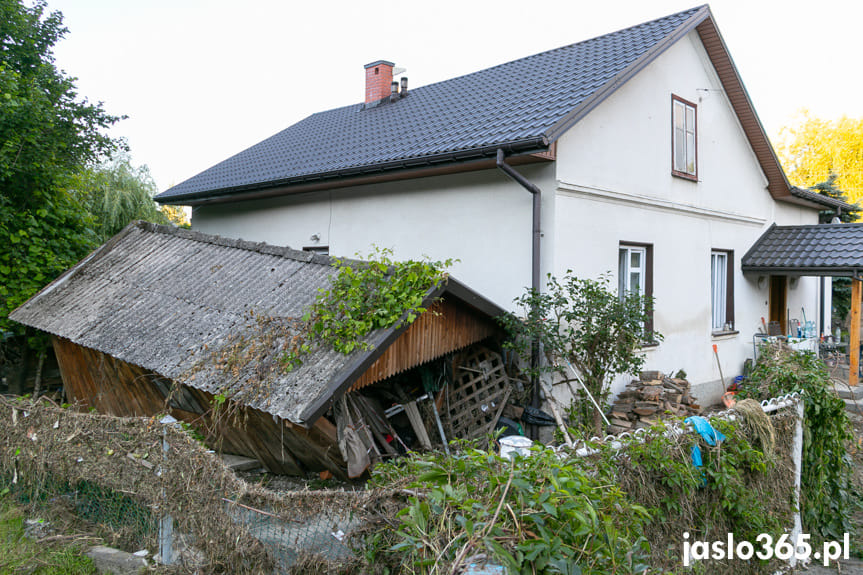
(642, 144)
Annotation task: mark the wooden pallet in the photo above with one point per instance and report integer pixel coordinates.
(478, 395)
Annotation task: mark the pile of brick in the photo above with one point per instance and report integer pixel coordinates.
(647, 399)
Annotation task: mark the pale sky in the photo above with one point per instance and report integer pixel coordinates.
(201, 80)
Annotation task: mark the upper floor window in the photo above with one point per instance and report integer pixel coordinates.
(684, 147)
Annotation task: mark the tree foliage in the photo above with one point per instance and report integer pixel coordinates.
(47, 134)
(587, 324)
(116, 193)
(812, 149)
(831, 190)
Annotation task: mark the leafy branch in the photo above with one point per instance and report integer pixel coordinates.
(375, 294)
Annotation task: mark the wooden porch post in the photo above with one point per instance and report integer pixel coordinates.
(854, 333)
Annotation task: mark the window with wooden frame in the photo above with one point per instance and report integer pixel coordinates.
(635, 274)
(722, 291)
(684, 138)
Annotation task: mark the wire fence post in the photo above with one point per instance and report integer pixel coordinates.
(797, 456)
(166, 523)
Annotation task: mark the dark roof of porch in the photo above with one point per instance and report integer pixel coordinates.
(815, 250)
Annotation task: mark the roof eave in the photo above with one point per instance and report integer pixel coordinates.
(288, 185)
(821, 201)
(833, 271)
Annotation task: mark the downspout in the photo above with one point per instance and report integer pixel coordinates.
(535, 262)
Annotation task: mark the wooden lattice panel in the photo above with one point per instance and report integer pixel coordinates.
(479, 392)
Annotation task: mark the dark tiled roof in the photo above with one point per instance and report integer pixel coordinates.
(520, 106)
(826, 201)
(168, 299)
(826, 249)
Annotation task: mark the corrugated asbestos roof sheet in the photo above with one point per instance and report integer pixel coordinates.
(826, 249)
(162, 298)
(520, 105)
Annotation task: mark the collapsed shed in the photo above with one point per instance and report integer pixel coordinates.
(151, 322)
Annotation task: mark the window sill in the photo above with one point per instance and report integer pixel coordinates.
(649, 345)
(685, 176)
(724, 334)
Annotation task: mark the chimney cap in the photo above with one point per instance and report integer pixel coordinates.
(379, 62)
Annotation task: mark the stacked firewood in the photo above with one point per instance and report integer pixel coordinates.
(647, 399)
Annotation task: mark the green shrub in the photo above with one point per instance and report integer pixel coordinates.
(827, 499)
(540, 514)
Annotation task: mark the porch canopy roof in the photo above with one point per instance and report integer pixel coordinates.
(816, 250)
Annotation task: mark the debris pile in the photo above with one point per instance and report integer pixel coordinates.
(648, 398)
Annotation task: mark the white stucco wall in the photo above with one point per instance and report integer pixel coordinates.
(481, 218)
(615, 185)
(611, 182)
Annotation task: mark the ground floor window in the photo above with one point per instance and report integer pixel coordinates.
(722, 290)
(635, 273)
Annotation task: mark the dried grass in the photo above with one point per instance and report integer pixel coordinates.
(124, 461)
(773, 489)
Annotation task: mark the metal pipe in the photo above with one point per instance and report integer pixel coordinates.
(535, 263)
(537, 214)
(821, 291)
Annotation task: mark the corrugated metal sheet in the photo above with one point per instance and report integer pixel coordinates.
(449, 327)
(168, 299)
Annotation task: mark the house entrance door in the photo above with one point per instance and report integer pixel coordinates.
(779, 301)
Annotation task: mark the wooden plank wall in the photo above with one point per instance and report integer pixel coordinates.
(446, 327)
(112, 386)
(117, 388)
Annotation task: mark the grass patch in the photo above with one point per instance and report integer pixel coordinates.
(19, 554)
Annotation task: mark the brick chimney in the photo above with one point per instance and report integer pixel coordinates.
(379, 79)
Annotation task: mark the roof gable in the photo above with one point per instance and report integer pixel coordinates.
(520, 106)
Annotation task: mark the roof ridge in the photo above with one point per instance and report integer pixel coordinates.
(835, 226)
(559, 48)
(265, 248)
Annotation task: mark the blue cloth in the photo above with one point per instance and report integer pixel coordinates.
(696, 456)
(703, 427)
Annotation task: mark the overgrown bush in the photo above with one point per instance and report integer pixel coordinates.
(738, 489)
(541, 514)
(587, 324)
(374, 294)
(615, 511)
(827, 499)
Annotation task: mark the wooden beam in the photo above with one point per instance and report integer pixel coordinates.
(854, 333)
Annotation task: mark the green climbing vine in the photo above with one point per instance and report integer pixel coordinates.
(363, 296)
(828, 498)
(374, 294)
